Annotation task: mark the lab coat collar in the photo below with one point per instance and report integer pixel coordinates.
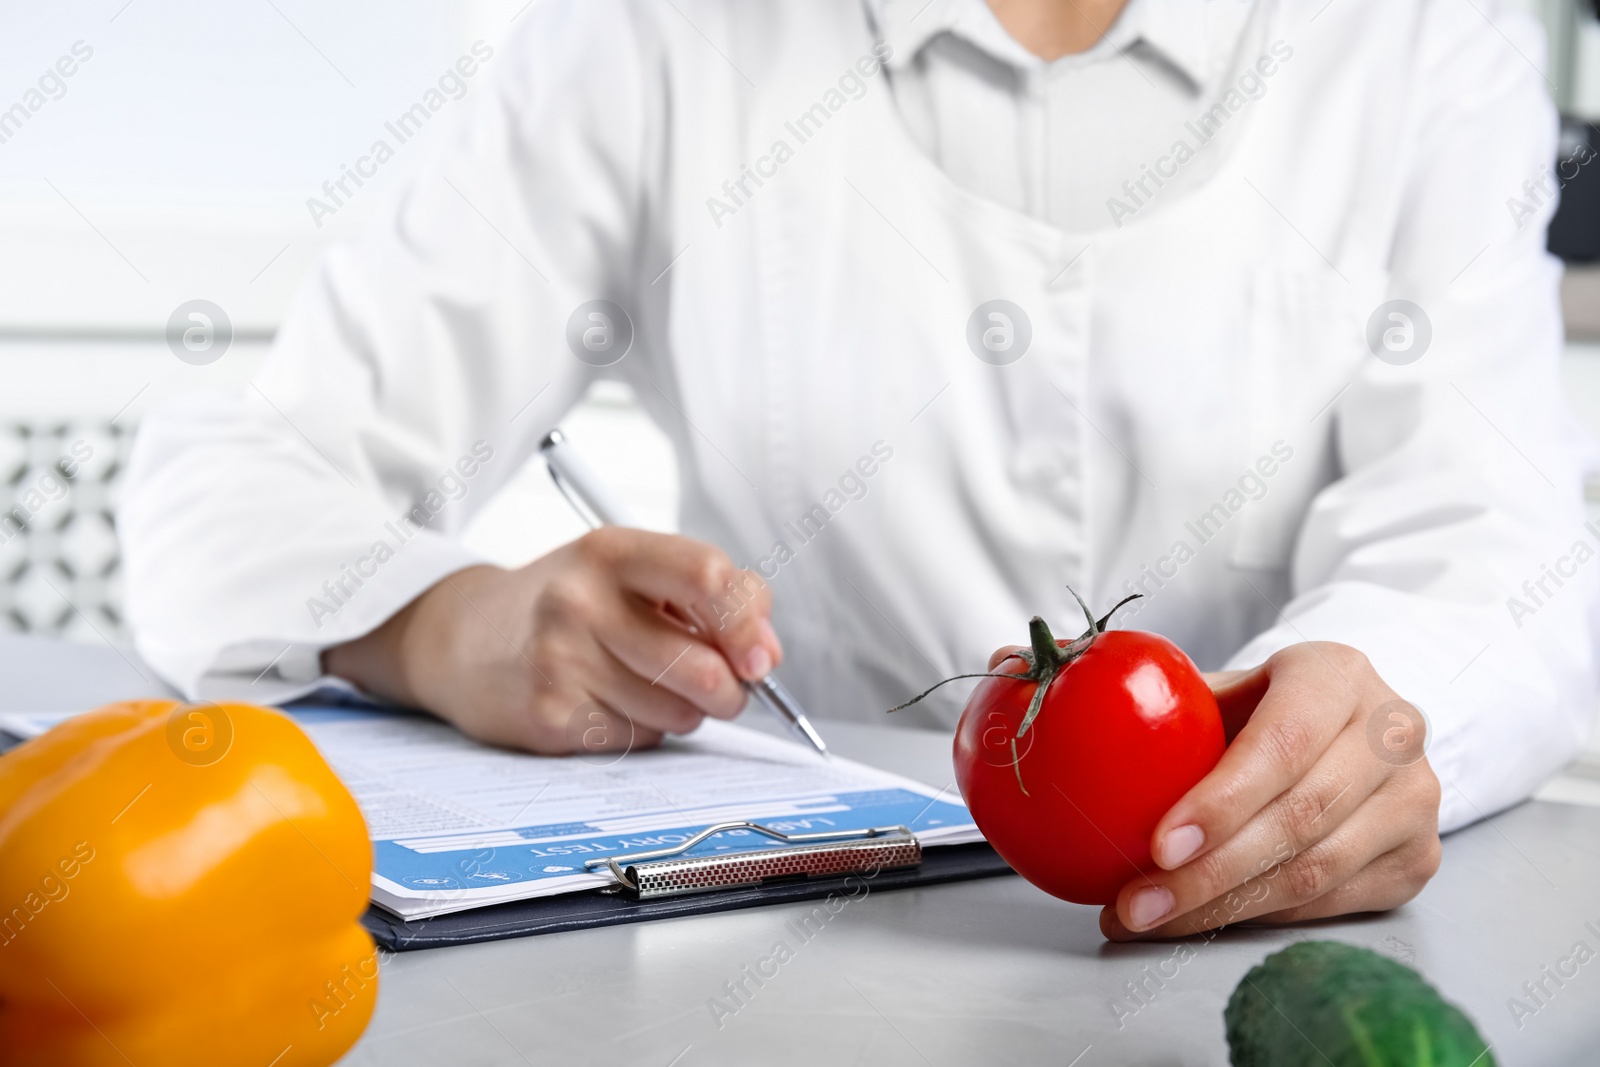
(1194, 37)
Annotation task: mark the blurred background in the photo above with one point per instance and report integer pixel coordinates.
(172, 164)
(159, 152)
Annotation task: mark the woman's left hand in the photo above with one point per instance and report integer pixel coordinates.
(1323, 804)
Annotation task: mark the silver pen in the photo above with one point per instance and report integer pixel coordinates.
(596, 505)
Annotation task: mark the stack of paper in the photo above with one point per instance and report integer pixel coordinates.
(457, 825)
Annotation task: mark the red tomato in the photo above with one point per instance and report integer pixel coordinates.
(1125, 729)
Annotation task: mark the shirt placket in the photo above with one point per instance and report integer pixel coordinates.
(1033, 146)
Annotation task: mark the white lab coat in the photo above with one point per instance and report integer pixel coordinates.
(1206, 358)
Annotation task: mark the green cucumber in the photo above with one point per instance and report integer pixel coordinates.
(1335, 1005)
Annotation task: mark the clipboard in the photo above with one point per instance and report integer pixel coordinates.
(806, 867)
(664, 883)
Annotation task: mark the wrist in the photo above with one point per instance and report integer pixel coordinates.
(396, 660)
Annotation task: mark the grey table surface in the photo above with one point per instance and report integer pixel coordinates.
(984, 972)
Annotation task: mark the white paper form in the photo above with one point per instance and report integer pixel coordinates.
(457, 824)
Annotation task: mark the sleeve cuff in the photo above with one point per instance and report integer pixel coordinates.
(283, 661)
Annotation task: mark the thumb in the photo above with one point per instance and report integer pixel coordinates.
(1002, 653)
(1237, 693)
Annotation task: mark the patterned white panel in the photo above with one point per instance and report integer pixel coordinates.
(60, 569)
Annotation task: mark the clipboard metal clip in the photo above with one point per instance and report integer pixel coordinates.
(648, 875)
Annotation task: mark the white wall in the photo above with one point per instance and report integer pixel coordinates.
(176, 161)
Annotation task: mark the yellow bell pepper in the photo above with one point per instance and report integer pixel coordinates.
(180, 884)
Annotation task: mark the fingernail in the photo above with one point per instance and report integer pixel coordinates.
(769, 636)
(1179, 845)
(1148, 906)
(757, 662)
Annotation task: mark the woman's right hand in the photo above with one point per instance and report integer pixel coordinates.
(605, 644)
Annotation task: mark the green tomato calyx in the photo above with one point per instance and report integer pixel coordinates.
(1045, 658)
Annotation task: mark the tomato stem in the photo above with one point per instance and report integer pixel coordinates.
(1047, 655)
(1046, 658)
